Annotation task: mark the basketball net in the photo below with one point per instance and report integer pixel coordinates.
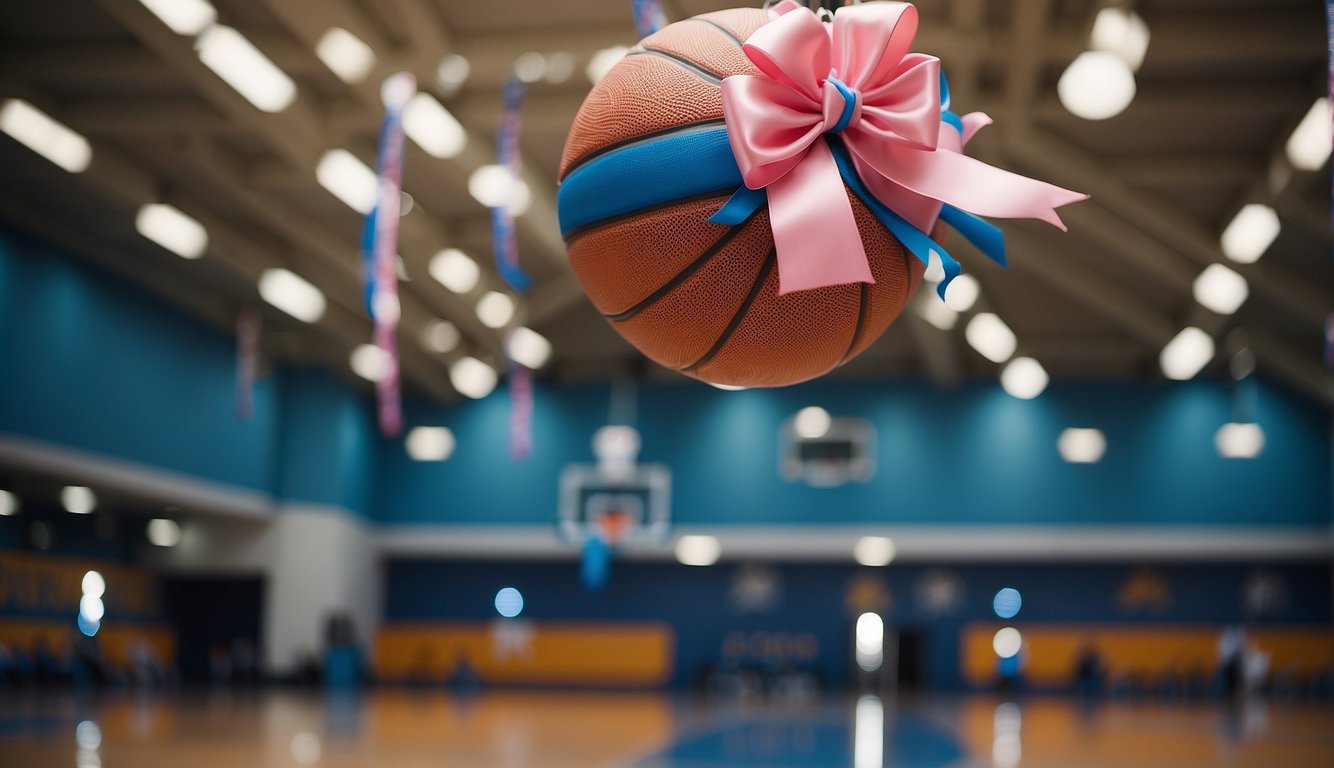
(613, 526)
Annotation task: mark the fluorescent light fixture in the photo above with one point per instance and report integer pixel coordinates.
(868, 733)
(698, 550)
(962, 293)
(41, 133)
(455, 270)
(494, 186)
(1250, 233)
(869, 644)
(1123, 33)
(560, 66)
(472, 377)
(509, 602)
(93, 584)
(345, 54)
(811, 422)
(1239, 440)
(245, 68)
(349, 180)
(292, 294)
(1006, 642)
(528, 348)
(78, 499)
(495, 309)
(163, 532)
(1082, 445)
(184, 17)
(436, 131)
(172, 229)
(429, 443)
(1097, 85)
(530, 67)
(370, 362)
(874, 551)
(934, 311)
(991, 337)
(1024, 378)
(1186, 354)
(1309, 145)
(1220, 289)
(9, 503)
(440, 336)
(603, 61)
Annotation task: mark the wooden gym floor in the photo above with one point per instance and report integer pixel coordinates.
(510, 729)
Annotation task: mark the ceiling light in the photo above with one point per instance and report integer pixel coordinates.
(1082, 445)
(292, 294)
(370, 362)
(429, 443)
(1220, 289)
(1123, 33)
(436, 131)
(455, 270)
(874, 550)
(1239, 441)
(991, 337)
(812, 422)
(167, 226)
(698, 550)
(78, 499)
(9, 503)
(1024, 378)
(495, 309)
(530, 67)
(451, 73)
(1097, 85)
(494, 186)
(163, 532)
(1186, 354)
(242, 66)
(349, 180)
(560, 66)
(1250, 233)
(603, 61)
(37, 131)
(1309, 145)
(934, 311)
(472, 377)
(440, 336)
(184, 17)
(528, 348)
(345, 54)
(962, 292)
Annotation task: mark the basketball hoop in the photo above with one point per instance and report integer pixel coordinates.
(613, 525)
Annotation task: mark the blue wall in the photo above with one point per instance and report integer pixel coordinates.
(971, 455)
(96, 365)
(812, 599)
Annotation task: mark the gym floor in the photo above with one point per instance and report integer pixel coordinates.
(427, 729)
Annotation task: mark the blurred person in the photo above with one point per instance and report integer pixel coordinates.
(1090, 671)
(1231, 656)
(1254, 670)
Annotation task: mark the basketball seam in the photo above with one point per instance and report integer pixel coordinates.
(641, 139)
(736, 40)
(861, 324)
(686, 64)
(741, 312)
(684, 274)
(586, 228)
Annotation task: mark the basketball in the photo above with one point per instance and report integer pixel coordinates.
(698, 297)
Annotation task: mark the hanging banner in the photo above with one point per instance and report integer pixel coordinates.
(247, 360)
(382, 226)
(521, 410)
(649, 17)
(504, 243)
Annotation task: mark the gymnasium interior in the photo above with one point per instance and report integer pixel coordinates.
(321, 446)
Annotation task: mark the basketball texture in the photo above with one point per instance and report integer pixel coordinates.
(699, 297)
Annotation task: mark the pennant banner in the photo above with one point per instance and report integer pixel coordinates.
(521, 410)
(247, 360)
(382, 237)
(649, 17)
(505, 244)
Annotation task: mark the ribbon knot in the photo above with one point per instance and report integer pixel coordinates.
(856, 78)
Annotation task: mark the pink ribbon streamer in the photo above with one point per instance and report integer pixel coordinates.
(385, 307)
(856, 78)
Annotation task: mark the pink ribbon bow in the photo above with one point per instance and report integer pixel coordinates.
(855, 78)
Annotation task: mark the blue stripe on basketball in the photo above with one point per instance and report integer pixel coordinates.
(645, 175)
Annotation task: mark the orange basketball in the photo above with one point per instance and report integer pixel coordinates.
(695, 296)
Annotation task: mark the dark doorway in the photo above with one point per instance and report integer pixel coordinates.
(218, 626)
(912, 661)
